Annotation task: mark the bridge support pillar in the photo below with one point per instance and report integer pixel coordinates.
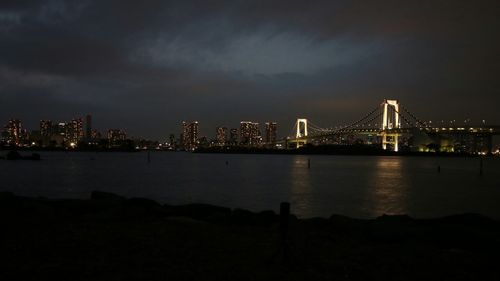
(390, 121)
(301, 143)
(390, 139)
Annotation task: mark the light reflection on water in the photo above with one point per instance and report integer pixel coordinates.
(301, 187)
(388, 187)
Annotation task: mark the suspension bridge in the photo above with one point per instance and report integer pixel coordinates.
(390, 124)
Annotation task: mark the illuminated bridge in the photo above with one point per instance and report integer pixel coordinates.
(391, 125)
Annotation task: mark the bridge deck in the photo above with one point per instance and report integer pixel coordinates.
(492, 130)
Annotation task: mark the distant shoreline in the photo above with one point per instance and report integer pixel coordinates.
(360, 150)
(331, 150)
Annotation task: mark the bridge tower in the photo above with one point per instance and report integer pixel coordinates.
(301, 132)
(301, 128)
(390, 122)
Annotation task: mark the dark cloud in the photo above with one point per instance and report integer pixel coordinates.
(132, 63)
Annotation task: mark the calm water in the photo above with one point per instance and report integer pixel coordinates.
(357, 186)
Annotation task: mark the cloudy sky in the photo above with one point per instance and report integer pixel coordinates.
(147, 65)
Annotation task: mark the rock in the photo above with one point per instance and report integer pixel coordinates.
(6, 195)
(76, 208)
(243, 216)
(267, 217)
(142, 208)
(395, 219)
(8, 199)
(198, 211)
(472, 220)
(101, 195)
(142, 203)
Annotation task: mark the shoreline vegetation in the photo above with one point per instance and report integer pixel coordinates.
(110, 237)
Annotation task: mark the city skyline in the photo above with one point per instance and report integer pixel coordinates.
(147, 65)
(87, 129)
(75, 132)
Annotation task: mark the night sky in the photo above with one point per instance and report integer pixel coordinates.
(147, 65)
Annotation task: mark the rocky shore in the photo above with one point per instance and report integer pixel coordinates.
(109, 237)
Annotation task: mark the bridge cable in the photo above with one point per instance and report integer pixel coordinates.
(415, 118)
(342, 129)
(360, 120)
(367, 122)
(404, 118)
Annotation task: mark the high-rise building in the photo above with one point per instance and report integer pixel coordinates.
(221, 136)
(88, 127)
(271, 128)
(45, 128)
(116, 137)
(75, 131)
(193, 135)
(233, 137)
(95, 135)
(184, 135)
(245, 132)
(256, 134)
(60, 132)
(250, 134)
(14, 132)
(189, 136)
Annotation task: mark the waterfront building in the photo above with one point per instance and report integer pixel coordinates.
(35, 139)
(46, 128)
(233, 137)
(193, 135)
(61, 129)
(95, 134)
(116, 137)
(184, 135)
(256, 135)
(60, 134)
(189, 136)
(271, 128)
(14, 135)
(221, 136)
(75, 132)
(250, 134)
(245, 132)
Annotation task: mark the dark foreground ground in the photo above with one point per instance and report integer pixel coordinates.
(113, 238)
